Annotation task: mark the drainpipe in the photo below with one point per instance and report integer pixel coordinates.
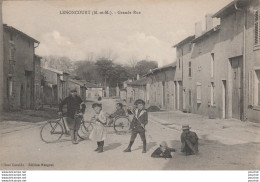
(1, 59)
(244, 117)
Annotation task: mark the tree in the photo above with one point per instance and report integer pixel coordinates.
(133, 61)
(105, 69)
(144, 66)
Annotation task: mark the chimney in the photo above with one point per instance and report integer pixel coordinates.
(137, 77)
(198, 29)
(209, 22)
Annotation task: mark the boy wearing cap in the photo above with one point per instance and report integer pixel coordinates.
(75, 106)
(138, 124)
(163, 151)
(189, 141)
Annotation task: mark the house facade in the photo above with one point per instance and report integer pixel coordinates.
(79, 85)
(93, 91)
(220, 72)
(160, 88)
(19, 66)
(55, 87)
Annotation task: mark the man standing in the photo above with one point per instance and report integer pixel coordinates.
(189, 141)
(75, 110)
(138, 124)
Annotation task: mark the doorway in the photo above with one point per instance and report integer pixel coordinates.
(224, 99)
(237, 87)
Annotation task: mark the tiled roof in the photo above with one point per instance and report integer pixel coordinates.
(184, 41)
(19, 32)
(172, 65)
(230, 7)
(206, 33)
(141, 82)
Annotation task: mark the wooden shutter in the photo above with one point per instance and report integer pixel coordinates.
(257, 27)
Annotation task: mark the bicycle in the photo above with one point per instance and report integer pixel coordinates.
(53, 130)
(122, 124)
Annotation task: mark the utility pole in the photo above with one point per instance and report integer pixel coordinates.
(1, 59)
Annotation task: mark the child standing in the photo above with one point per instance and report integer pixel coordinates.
(138, 124)
(99, 131)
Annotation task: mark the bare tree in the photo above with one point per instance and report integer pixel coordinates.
(133, 61)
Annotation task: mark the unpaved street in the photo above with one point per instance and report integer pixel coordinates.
(223, 144)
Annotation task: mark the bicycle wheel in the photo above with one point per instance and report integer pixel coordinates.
(85, 130)
(121, 125)
(51, 132)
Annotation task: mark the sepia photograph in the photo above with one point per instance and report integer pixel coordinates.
(130, 85)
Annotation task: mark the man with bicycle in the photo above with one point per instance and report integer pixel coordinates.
(75, 111)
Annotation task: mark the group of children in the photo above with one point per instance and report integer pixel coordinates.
(189, 139)
(75, 106)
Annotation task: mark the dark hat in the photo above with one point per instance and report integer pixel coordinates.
(139, 101)
(185, 127)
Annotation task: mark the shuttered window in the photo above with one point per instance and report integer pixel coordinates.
(257, 27)
(189, 68)
(198, 92)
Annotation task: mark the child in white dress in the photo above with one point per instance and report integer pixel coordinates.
(99, 132)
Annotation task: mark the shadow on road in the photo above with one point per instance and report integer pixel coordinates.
(112, 146)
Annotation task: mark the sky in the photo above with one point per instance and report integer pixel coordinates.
(149, 35)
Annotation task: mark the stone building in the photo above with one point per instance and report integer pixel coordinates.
(55, 87)
(220, 74)
(160, 88)
(79, 85)
(93, 91)
(136, 90)
(19, 66)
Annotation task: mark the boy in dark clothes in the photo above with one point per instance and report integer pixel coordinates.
(138, 124)
(75, 110)
(163, 151)
(189, 141)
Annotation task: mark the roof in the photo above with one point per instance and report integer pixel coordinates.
(230, 7)
(78, 82)
(53, 70)
(185, 41)
(10, 28)
(172, 65)
(141, 82)
(91, 85)
(205, 34)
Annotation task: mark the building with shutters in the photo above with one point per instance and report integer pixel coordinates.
(217, 72)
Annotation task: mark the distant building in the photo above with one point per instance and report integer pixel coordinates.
(93, 91)
(79, 85)
(55, 87)
(20, 64)
(160, 88)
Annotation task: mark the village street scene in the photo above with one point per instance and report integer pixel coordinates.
(196, 97)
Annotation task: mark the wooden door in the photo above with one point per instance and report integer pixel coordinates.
(237, 101)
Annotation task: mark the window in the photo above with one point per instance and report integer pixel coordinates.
(198, 92)
(179, 63)
(254, 85)
(11, 37)
(212, 93)
(9, 87)
(190, 69)
(190, 97)
(11, 53)
(212, 65)
(257, 26)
